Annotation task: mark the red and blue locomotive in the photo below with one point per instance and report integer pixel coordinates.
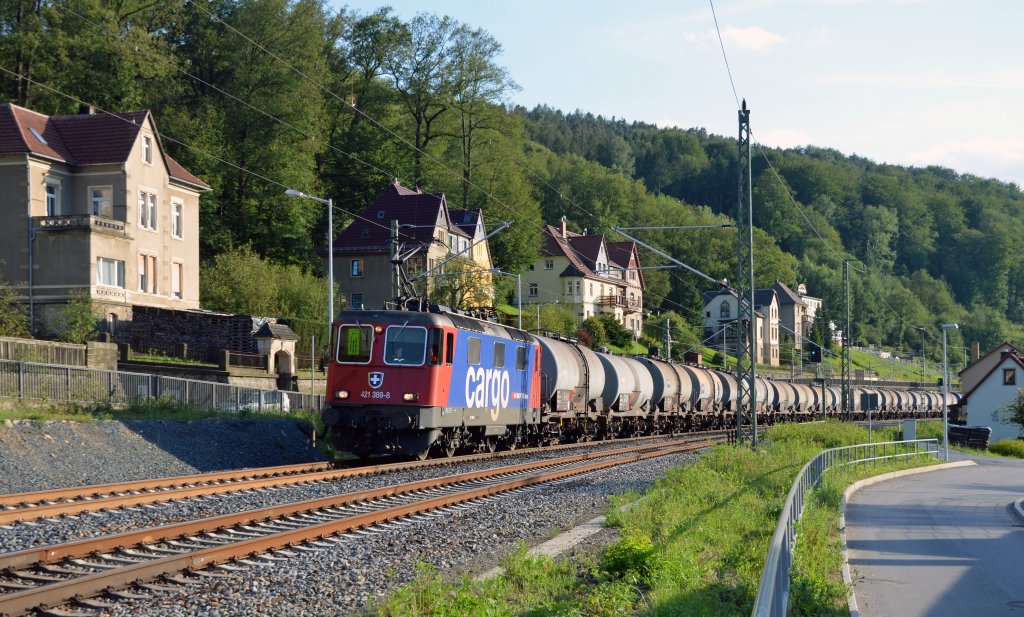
(409, 382)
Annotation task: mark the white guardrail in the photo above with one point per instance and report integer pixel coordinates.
(773, 594)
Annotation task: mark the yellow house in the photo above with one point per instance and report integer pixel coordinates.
(94, 204)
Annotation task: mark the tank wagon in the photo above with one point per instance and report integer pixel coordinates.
(439, 382)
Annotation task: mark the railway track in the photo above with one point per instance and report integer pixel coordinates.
(154, 559)
(24, 507)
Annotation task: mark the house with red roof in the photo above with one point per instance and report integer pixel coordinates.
(427, 233)
(93, 203)
(589, 275)
(989, 385)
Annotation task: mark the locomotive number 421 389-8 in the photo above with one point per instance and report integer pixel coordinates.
(375, 394)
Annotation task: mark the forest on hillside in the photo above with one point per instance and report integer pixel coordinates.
(256, 96)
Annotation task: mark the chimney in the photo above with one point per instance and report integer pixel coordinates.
(86, 110)
(563, 225)
(975, 351)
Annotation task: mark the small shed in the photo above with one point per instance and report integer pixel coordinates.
(277, 342)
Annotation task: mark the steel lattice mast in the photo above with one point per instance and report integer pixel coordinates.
(847, 393)
(746, 339)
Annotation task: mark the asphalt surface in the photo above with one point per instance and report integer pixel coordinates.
(944, 543)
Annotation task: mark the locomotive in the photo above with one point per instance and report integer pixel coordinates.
(440, 381)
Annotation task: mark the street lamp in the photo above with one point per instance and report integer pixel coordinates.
(945, 388)
(330, 252)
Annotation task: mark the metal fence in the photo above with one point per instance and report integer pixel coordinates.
(47, 352)
(68, 384)
(773, 594)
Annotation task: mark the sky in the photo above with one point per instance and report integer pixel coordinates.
(907, 82)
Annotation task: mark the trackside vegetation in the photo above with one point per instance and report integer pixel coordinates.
(695, 544)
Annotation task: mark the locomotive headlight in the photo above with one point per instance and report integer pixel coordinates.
(378, 329)
(410, 396)
(342, 394)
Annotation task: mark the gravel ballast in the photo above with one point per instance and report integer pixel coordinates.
(336, 581)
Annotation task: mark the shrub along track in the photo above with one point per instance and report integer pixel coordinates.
(55, 575)
(21, 507)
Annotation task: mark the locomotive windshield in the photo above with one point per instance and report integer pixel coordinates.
(405, 346)
(355, 344)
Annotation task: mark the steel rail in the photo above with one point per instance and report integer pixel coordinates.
(72, 550)
(156, 484)
(188, 487)
(90, 585)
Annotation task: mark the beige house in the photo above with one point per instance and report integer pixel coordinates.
(721, 314)
(93, 203)
(589, 275)
(428, 233)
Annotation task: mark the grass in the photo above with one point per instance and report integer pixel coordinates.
(695, 544)
(161, 409)
(161, 359)
(1008, 447)
(629, 350)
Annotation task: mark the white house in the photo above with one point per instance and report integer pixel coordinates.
(994, 390)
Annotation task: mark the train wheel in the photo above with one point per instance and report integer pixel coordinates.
(490, 444)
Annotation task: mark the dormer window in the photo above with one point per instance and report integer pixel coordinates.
(147, 149)
(380, 214)
(365, 233)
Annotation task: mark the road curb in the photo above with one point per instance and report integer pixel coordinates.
(1018, 507)
(851, 599)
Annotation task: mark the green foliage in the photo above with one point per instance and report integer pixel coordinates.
(617, 334)
(1008, 447)
(634, 555)
(13, 314)
(77, 320)
(594, 329)
(239, 281)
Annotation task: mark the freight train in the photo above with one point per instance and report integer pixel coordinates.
(440, 382)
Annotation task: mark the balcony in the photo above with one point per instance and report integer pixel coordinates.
(80, 222)
(616, 301)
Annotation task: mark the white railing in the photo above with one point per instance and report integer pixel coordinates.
(773, 594)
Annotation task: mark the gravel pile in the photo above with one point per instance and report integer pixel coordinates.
(62, 454)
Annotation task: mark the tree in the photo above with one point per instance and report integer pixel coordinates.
(594, 329)
(77, 320)
(13, 316)
(462, 285)
(1012, 412)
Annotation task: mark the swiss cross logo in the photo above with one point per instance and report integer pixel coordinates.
(376, 379)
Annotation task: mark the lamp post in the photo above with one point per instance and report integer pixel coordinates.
(945, 389)
(330, 252)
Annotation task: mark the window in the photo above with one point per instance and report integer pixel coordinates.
(355, 344)
(532, 290)
(405, 345)
(147, 149)
(357, 268)
(357, 301)
(176, 277)
(449, 349)
(52, 199)
(1009, 377)
(577, 288)
(147, 273)
(147, 210)
(591, 288)
(520, 358)
(177, 229)
(568, 288)
(723, 309)
(499, 355)
(436, 343)
(549, 264)
(473, 351)
(101, 201)
(109, 272)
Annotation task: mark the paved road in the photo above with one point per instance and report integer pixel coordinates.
(945, 543)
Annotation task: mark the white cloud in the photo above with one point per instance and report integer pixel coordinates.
(782, 138)
(1000, 158)
(753, 38)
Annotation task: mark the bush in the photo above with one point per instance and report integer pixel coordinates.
(595, 329)
(77, 323)
(13, 316)
(1008, 447)
(633, 553)
(617, 334)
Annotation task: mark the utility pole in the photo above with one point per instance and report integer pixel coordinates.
(396, 264)
(847, 394)
(668, 339)
(746, 339)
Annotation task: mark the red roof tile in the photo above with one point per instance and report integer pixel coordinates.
(81, 139)
(371, 231)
